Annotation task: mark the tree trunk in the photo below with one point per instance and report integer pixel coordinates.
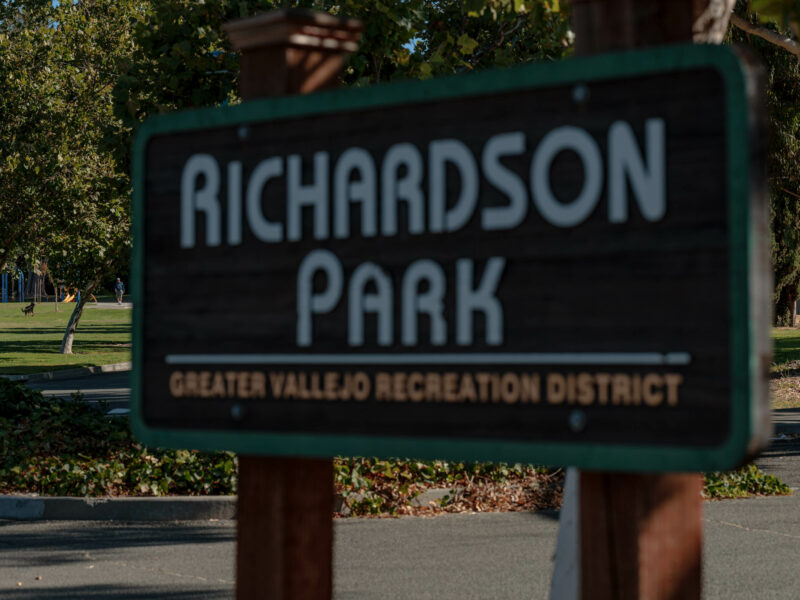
(785, 304)
(55, 288)
(69, 334)
(614, 25)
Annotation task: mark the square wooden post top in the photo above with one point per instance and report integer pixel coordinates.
(291, 51)
(297, 28)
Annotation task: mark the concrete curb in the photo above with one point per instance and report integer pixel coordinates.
(71, 373)
(58, 508)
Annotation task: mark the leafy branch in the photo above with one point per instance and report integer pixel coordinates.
(766, 19)
(769, 35)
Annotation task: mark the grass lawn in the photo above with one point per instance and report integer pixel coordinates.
(785, 383)
(787, 348)
(30, 344)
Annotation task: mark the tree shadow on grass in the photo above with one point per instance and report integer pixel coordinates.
(52, 347)
(85, 342)
(90, 329)
(786, 349)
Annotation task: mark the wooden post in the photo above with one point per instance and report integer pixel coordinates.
(641, 534)
(609, 25)
(285, 505)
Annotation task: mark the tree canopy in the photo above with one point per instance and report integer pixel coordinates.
(183, 60)
(79, 77)
(783, 103)
(63, 196)
(61, 193)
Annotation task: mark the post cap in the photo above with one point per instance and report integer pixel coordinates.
(297, 28)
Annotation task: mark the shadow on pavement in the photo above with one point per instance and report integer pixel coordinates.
(115, 592)
(548, 514)
(782, 447)
(23, 547)
(788, 412)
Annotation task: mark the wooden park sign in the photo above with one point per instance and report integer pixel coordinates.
(561, 263)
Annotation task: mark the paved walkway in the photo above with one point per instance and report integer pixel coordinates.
(782, 459)
(752, 549)
(787, 420)
(113, 388)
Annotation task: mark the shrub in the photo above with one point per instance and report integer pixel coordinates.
(747, 481)
(57, 447)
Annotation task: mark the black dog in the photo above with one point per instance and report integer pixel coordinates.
(28, 310)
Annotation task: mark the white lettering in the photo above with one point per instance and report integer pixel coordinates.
(430, 303)
(262, 228)
(440, 152)
(483, 299)
(556, 141)
(205, 200)
(234, 203)
(505, 180)
(407, 188)
(626, 163)
(309, 303)
(346, 191)
(361, 302)
(299, 195)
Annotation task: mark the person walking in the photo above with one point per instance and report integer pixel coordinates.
(119, 289)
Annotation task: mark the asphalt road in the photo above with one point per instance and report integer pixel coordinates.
(114, 388)
(782, 459)
(752, 549)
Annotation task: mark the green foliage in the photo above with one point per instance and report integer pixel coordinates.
(77, 79)
(61, 194)
(372, 486)
(786, 344)
(50, 446)
(70, 448)
(480, 34)
(744, 482)
(783, 13)
(182, 58)
(783, 96)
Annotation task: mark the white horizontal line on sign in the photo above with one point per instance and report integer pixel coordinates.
(467, 358)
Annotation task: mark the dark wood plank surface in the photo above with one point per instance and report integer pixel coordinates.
(598, 287)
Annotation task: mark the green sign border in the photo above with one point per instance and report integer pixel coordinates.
(617, 457)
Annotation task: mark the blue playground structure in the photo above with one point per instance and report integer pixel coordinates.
(5, 286)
